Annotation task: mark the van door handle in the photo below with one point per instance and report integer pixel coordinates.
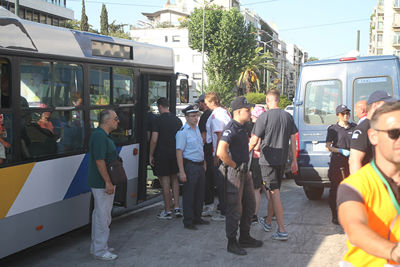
(298, 103)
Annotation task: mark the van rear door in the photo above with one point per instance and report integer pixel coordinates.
(321, 90)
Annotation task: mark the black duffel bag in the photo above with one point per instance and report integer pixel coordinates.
(116, 171)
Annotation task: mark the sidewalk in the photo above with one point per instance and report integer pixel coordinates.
(140, 239)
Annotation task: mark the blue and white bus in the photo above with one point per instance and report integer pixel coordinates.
(54, 82)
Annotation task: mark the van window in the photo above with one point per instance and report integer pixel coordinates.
(364, 87)
(321, 100)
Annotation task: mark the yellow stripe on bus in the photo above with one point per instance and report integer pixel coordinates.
(12, 180)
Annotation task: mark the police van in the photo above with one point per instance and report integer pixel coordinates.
(322, 86)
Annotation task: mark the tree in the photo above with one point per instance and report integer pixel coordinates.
(117, 30)
(228, 43)
(312, 59)
(73, 24)
(104, 20)
(84, 19)
(250, 73)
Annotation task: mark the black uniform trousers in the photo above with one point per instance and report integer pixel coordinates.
(240, 203)
(220, 182)
(335, 176)
(193, 193)
(209, 183)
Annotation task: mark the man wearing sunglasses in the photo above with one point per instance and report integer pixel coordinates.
(360, 148)
(368, 201)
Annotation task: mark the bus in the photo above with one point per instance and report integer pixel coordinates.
(54, 83)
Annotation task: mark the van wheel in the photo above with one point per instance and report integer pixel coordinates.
(313, 193)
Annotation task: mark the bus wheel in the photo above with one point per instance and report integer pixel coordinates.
(313, 193)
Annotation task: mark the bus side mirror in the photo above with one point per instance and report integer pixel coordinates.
(184, 90)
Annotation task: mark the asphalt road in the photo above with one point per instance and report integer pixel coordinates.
(140, 239)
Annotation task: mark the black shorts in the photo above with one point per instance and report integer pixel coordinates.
(256, 173)
(272, 176)
(164, 166)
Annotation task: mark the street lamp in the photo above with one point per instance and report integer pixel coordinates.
(265, 49)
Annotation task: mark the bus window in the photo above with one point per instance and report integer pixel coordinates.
(126, 126)
(35, 82)
(123, 86)
(321, 99)
(51, 133)
(99, 86)
(5, 84)
(6, 134)
(157, 89)
(364, 87)
(68, 85)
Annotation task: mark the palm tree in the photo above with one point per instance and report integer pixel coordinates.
(250, 73)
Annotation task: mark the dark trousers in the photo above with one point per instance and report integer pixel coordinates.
(240, 204)
(193, 193)
(220, 182)
(335, 176)
(209, 183)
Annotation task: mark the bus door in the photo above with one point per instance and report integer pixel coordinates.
(152, 88)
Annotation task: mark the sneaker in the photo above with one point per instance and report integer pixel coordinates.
(280, 236)
(273, 217)
(218, 217)
(109, 249)
(165, 215)
(235, 248)
(254, 220)
(207, 211)
(177, 212)
(267, 227)
(108, 256)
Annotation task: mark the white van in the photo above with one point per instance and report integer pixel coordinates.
(322, 86)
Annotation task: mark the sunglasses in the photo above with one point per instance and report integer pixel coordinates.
(345, 113)
(393, 133)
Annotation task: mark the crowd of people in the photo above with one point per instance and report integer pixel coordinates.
(239, 156)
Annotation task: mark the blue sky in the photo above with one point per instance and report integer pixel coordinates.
(324, 29)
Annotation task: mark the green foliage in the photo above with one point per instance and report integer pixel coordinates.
(284, 102)
(164, 24)
(84, 19)
(255, 98)
(104, 20)
(117, 30)
(312, 59)
(228, 43)
(183, 22)
(73, 24)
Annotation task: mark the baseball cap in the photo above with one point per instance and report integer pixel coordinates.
(190, 109)
(257, 111)
(240, 102)
(341, 108)
(380, 96)
(200, 99)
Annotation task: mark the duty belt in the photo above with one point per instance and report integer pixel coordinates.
(200, 163)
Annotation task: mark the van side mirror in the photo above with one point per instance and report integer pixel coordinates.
(184, 90)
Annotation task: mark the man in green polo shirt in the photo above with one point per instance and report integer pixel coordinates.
(102, 150)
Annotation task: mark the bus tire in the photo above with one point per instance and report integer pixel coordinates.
(313, 193)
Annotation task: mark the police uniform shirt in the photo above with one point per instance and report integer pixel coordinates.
(235, 134)
(190, 142)
(340, 136)
(360, 140)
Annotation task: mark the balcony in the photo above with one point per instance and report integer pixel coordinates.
(396, 43)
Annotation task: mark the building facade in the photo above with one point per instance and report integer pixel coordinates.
(52, 12)
(385, 28)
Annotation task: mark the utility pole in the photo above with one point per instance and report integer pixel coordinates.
(358, 41)
(16, 7)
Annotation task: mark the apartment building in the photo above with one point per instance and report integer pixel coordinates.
(385, 28)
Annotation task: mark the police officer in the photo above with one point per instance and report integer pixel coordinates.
(240, 203)
(190, 157)
(338, 143)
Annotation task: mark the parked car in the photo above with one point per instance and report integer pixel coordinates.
(289, 109)
(322, 86)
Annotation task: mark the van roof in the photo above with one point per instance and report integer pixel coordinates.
(350, 60)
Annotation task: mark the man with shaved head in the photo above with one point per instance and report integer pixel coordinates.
(361, 110)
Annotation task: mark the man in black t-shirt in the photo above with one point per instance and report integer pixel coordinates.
(361, 151)
(163, 156)
(275, 127)
(209, 181)
(240, 202)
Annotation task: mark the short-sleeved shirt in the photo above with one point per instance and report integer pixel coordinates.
(340, 136)
(360, 141)
(274, 127)
(101, 147)
(235, 134)
(203, 120)
(216, 123)
(189, 140)
(166, 125)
